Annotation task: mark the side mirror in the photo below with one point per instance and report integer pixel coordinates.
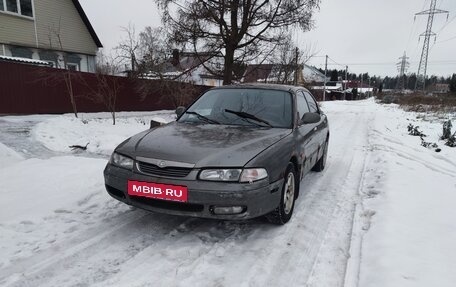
(310, 118)
(180, 110)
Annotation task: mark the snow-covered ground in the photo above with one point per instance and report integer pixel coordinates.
(95, 130)
(406, 224)
(381, 214)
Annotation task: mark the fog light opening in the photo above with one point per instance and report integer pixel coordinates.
(223, 210)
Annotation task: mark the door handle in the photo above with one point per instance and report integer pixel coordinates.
(315, 128)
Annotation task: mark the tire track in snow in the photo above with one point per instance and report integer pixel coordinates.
(344, 177)
(408, 155)
(136, 226)
(264, 244)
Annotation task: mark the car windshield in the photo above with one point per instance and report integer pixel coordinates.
(246, 107)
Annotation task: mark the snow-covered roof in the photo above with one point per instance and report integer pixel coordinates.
(310, 74)
(24, 60)
(328, 88)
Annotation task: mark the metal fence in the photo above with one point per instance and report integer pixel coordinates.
(27, 89)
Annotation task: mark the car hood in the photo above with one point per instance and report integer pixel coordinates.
(203, 145)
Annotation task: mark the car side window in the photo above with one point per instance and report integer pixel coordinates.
(301, 104)
(313, 106)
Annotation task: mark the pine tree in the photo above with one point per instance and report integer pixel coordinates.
(334, 76)
(453, 83)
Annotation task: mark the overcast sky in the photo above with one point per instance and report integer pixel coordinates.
(367, 35)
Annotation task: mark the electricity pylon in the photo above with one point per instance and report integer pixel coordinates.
(422, 68)
(402, 67)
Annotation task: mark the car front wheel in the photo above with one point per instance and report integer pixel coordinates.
(283, 212)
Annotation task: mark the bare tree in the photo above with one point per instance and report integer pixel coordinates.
(154, 63)
(240, 30)
(154, 52)
(107, 85)
(290, 61)
(178, 93)
(157, 68)
(64, 74)
(128, 49)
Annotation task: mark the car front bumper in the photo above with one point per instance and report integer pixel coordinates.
(257, 199)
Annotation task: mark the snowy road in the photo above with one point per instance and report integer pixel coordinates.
(99, 241)
(66, 231)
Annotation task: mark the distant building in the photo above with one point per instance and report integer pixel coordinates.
(189, 67)
(283, 74)
(45, 31)
(336, 86)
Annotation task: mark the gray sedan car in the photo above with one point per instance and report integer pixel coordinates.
(237, 152)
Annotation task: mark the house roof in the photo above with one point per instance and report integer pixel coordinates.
(23, 60)
(86, 21)
(269, 72)
(311, 73)
(257, 73)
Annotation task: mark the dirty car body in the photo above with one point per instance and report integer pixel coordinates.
(237, 152)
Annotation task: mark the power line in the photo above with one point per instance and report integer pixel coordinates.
(336, 62)
(441, 62)
(443, 41)
(446, 24)
(422, 67)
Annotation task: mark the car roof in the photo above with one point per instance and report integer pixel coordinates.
(264, 86)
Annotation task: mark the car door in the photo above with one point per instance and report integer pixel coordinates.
(304, 133)
(320, 130)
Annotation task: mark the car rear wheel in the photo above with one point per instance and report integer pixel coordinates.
(321, 163)
(283, 212)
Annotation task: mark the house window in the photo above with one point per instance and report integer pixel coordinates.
(26, 7)
(73, 62)
(51, 57)
(11, 6)
(21, 52)
(73, 67)
(22, 7)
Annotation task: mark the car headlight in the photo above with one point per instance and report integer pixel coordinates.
(121, 161)
(220, 174)
(234, 175)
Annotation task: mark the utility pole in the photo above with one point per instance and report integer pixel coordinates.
(296, 67)
(402, 67)
(362, 79)
(369, 87)
(422, 68)
(326, 71)
(346, 81)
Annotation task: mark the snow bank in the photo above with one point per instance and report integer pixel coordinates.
(406, 219)
(95, 129)
(8, 156)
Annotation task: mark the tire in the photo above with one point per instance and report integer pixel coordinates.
(282, 214)
(321, 163)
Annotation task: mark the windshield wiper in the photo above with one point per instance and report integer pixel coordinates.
(248, 116)
(203, 118)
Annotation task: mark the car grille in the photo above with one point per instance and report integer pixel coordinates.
(172, 205)
(166, 171)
